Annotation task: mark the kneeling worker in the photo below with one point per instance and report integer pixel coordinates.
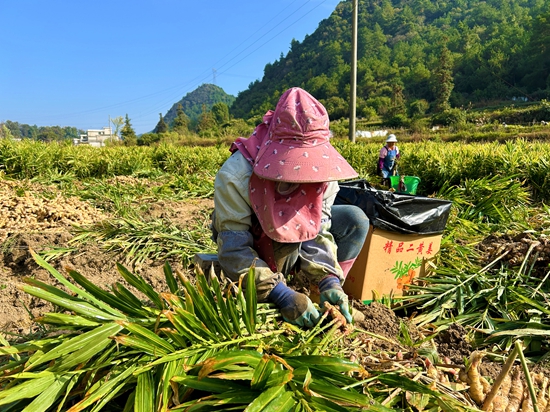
(274, 205)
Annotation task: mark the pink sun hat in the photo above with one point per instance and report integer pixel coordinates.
(297, 148)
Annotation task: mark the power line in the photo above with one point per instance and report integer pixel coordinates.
(270, 30)
(254, 50)
(201, 78)
(166, 95)
(271, 38)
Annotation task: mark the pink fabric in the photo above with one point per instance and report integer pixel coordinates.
(302, 154)
(249, 147)
(297, 148)
(346, 266)
(291, 218)
(295, 217)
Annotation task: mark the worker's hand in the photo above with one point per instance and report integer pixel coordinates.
(295, 307)
(331, 291)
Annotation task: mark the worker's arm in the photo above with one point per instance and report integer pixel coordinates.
(318, 257)
(381, 157)
(232, 222)
(319, 260)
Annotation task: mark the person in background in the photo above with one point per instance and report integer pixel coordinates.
(273, 207)
(387, 160)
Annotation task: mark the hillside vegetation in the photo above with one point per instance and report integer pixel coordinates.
(194, 103)
(420, 63)
(415, 57)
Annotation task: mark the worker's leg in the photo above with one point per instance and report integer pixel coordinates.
(350, 226)
(386, 178)
(286, 256)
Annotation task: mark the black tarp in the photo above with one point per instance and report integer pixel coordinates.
(396, 212)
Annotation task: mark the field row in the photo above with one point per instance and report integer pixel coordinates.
(439, 165)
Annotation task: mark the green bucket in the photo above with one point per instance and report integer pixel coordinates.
(411, 184)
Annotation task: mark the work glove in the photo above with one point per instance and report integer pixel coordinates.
(295, 307)
(331, 291)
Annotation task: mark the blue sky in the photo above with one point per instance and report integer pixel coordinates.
(77, 62)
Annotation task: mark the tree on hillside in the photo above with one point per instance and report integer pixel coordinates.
(418, 108)
(70, 133)
(48, 134)
(206, 120)
(147, 139)
(206, 94)
(14, 128)
(500, 47)
(29, 131)
(537, 64)
(397, 99)
(180, 125)
(44, 133)
(128, 134)
(161, 126)
(337, 107)
(117, 123)
(220, 111)
(443, 85)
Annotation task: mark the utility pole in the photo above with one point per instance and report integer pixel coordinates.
(353, 81)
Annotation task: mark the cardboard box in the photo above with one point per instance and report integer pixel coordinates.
(388, 262)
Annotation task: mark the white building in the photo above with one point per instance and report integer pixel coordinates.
(96, 137)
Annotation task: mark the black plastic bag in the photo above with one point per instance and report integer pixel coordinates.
(396, 212)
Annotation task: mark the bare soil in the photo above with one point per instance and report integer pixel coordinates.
(39, 219)
(451, 343)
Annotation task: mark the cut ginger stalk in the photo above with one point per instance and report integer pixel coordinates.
(527, 403)
(431, 370)
(547, 409)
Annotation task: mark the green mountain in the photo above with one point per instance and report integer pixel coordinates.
(415, 54)
(192, 103)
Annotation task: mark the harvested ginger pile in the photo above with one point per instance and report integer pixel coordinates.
(23, 210)
(512, 392)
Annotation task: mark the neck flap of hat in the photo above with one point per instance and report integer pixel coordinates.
(287, 218)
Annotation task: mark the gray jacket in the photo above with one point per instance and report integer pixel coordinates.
(232, 221)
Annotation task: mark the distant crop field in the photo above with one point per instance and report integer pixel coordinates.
(438, 164)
